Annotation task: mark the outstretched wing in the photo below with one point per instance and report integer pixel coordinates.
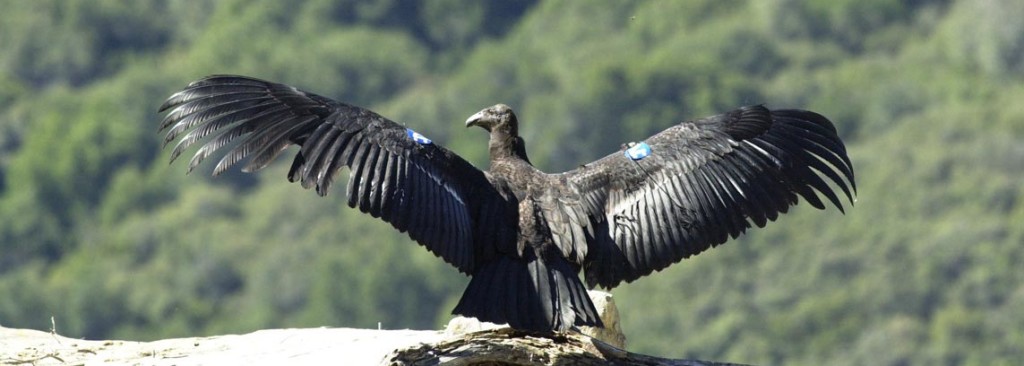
(695, 184)
(396, 174)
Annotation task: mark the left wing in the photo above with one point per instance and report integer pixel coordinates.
(695, 184)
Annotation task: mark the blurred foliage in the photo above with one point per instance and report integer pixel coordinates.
(99, 232)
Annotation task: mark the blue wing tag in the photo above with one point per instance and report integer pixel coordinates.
(638, 151)
(415, 136)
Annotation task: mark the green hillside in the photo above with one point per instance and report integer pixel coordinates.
(98, 231)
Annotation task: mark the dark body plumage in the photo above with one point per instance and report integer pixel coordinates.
(524, 235)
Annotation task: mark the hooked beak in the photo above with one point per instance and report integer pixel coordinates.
(474, 120)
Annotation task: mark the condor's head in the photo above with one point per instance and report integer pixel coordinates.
(501, 122)
(496, 118)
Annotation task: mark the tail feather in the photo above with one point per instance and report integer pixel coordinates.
(528, 294)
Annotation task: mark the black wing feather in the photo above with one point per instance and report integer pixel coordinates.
(705, 181)
(424, 190)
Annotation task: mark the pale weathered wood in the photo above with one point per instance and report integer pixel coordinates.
(465, 341)
(310, 346)
(325, 346)
(506, 346)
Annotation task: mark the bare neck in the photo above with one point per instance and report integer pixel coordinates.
(505, 144)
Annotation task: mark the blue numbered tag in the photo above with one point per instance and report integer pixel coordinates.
(415, 136)
(638, 151)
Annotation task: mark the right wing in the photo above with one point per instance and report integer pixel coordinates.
(395, 174)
